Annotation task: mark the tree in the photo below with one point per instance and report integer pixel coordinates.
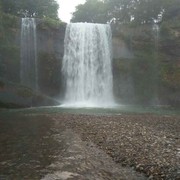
(146, 11)
(120, 10)
(31, 8)
(138, 11)
(93, 11)
(123, 11)
(171, 9)
(143, 11)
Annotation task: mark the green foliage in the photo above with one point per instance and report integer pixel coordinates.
(10, 21)
(130, 11)
(123, 11)
(170, 28)
(29, 8)
(93, 11)
(120, 10)
(171, 9)
(170, 75)
(146, 11)
(24, 92)
(49, 23)
(126, 11)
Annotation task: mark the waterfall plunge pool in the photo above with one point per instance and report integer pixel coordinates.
(115, 110)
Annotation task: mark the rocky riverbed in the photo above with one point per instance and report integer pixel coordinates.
(148, 143)
(89, 147)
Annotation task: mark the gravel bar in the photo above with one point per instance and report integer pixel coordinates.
(148, 143)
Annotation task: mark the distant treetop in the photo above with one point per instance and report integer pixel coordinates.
(126, 11)
(31, 8)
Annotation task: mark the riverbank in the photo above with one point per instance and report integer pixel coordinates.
(42, 145)
(148, 143)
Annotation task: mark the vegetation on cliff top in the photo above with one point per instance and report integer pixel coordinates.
(126, 11)
(29, 8)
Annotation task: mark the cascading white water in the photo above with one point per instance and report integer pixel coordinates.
(155, 85)
(28, 72)
(155, 29)
(87, 65)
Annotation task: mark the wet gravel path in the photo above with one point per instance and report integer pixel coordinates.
(80, 160)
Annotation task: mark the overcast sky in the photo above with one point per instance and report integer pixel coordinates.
(67, 7)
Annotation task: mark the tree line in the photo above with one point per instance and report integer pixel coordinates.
(98, 11)
(126, 11)
(30, 8)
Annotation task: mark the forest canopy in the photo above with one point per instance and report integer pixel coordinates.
(126, 11)
(30, 8)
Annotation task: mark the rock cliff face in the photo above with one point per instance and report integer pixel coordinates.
(135, 70)
(13, 95)
(122, 58)
(10, 48)
(146, 64)
(169, 57)
(50, 48)
(50, 43)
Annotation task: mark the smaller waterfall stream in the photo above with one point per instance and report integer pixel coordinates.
(156, 34)
(28, 72)
(87, 65)
(155, 29)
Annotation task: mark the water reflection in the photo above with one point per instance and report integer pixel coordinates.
(116, 110)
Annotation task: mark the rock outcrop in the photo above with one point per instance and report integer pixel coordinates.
(13, 95)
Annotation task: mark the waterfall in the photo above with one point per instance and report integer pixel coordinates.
(156, 34)
(155, 30)
(28, 73)
(87, 68)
